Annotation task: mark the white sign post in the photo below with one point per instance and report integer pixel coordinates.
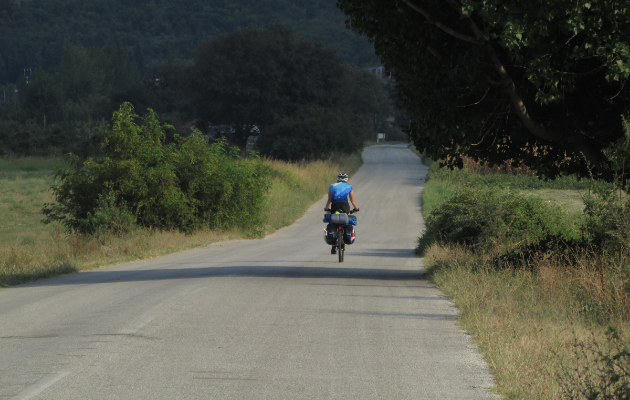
(379, 137)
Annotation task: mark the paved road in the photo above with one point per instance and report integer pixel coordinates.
(277, 318)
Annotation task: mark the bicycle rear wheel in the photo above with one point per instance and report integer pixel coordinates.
(340, 246)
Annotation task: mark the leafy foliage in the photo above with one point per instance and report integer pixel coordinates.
(608, 219)
(313, 132)
(486, 217)
(183, 185)
(537, 83)
(246, 78)
(485, 211)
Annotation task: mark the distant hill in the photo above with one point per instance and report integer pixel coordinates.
(33, 32)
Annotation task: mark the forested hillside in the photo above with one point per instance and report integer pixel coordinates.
(33, 33)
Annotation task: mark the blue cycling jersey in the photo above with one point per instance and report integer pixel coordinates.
(340, 192)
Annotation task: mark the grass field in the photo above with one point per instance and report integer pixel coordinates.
(31, 250)
(24, 188)
(540, 323)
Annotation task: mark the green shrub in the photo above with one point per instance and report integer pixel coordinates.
(108, 217)
(185, 185)
(608, 218)
(486, 217)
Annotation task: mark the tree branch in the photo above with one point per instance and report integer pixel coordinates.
(535, 128)
(532, 126)
(435, 52)
(440, 25)
(521, 111)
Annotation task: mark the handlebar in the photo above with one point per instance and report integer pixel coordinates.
(354, 211)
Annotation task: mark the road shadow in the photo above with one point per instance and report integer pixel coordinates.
(389, 253)
(296, 272)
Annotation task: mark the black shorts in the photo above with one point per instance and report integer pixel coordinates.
(343, 207)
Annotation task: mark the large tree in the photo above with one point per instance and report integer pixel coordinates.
(250, 77)
(256, 77)
(540, 83)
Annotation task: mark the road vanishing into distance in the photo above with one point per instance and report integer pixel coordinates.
(276, 318)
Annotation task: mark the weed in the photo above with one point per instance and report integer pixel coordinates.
(601, 369)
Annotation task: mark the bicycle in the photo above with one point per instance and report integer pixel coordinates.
(339, 221)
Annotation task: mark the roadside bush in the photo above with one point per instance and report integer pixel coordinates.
(488, 217)
(184, 185)
(608, 219)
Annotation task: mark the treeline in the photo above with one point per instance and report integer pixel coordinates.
(67, 109)
(298, 96)
(34, 33)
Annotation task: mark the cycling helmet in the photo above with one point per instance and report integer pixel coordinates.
(342, 177)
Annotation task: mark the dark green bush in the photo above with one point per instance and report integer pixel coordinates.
(108, 217)
(185, 185)
(313, 133)
(486, 217)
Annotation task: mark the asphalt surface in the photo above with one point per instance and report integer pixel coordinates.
(277, 318)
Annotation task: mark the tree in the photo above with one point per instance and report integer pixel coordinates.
(540, 83)
(164, 86)
(41, 97)
(362, 94)
(80, 73)
(313, 132)
(250, 77)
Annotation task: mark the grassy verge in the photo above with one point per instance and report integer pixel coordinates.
(528, 322)
(540, 320)
(30, 250)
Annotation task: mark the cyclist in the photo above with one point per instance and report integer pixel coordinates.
(338, 195)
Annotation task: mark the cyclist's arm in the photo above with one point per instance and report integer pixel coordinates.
(351, 197)
(329, 202)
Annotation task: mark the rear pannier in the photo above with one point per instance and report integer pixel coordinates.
(330, 236)
(348, 235)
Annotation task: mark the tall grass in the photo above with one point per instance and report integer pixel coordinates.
(527, 318)
(296, 186)
(30, 250)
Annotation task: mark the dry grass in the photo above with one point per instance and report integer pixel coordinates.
(61, 254)
(505, 168)
(296, 186)
(527, 320)
(571, 201)
(30, 250)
